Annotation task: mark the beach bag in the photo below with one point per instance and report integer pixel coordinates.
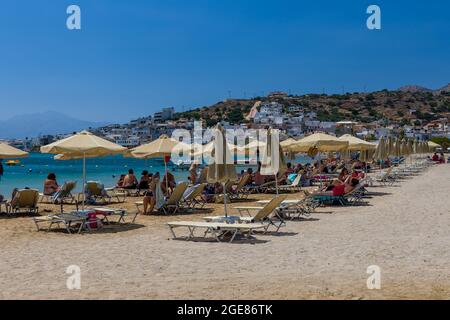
(93, 222)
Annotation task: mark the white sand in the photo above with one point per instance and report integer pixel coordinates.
(406, 232)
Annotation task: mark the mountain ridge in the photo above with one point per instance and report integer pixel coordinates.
(42, 123)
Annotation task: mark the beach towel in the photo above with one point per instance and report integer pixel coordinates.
(159, 197)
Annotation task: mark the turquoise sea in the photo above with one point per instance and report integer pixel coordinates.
(35, 168)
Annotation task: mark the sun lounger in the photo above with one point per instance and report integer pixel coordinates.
(267, 214)
(70, 222)
(96, 193)
(219, 231)
(173, 204)
(24, 201)
(121, 214)
(192, 198)
(350, 199)
(295, 186)
(63, 196)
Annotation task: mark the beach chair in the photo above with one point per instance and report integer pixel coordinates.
(349, 199)
(193, 198)
(71, 223)
(263, 215)
(173, 203)
(240, 192)
(386, 177)
(219, 231)
(63, 196)
(24, 201)
(95, 192)
(295, 186)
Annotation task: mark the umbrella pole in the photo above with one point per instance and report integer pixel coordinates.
(225, 199)
(167, 182)
(84, 180)
(276, 185)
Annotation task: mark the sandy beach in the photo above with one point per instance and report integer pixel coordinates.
(404, 229)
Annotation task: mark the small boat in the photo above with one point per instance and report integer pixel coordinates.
(13, 162)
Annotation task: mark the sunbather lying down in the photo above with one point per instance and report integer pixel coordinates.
(338, 190)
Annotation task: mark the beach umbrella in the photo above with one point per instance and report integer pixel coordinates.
(320, 141)
(83, 145)
(273, 158)
(287, 143)
(357, 144)
(9, 152)
(433, 146)
(410, 147)
(380, 152)
(163, 147)
(397, 148)
(390, 146)
(403, 148)
(222, 169)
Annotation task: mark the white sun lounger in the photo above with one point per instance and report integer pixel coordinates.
(217, 230)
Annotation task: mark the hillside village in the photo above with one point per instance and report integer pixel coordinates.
(412, 111)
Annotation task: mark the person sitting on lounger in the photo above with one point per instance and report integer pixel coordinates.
(193, 172)
(435, 158)
(170, 183)
(442, 159)
(50, 185)
(343, 175)
(258, 178)
(144, 183)
(340, 189)
(119, 183)
(130, 181)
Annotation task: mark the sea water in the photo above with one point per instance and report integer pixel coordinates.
(34, 169)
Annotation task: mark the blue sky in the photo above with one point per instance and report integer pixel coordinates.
(133, 57)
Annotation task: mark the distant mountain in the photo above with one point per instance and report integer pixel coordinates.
(445, 89)
(414, 88)
(49, 122)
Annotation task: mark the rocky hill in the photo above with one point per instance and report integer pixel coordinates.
(408, 105)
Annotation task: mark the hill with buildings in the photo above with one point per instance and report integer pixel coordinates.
(408, 105)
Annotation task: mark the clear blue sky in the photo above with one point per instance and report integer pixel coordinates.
(133, 57)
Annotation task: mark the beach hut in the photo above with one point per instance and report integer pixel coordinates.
(83, 145)
(273, 162)
(222, 169)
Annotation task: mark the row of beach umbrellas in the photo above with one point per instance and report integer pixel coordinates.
(85, 145)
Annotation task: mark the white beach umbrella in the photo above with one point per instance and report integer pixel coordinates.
(9, 152)
(273, 162)
(83, 145)
(222, 169)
